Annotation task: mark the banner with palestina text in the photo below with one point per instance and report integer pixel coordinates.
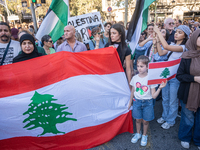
(85, 23)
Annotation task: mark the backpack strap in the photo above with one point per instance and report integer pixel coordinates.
(93, 42)
(5, 53)
(169, 55)
(102, 41)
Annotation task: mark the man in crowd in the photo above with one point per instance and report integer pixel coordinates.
(106, 33)
(178, 23)
(196, 25)
(169, 26)
(8, 48)
(39, 23)
(71, 44)
(14, 34)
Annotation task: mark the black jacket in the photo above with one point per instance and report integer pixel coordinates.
(171, 38)
(183, 75)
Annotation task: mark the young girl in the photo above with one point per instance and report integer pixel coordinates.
(143, 103)
(169, 93)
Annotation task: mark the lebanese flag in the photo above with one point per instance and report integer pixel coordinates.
(64, 101)
(162, 71)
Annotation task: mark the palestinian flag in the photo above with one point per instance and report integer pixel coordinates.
(162, 71)
(64, 101)
(138, 22)
(55, 20)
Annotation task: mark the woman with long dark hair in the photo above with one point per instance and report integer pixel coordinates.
(117, 39)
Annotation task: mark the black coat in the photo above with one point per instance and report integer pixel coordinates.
(185, 78)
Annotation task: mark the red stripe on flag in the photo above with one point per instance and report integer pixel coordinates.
(164, 64)
(159, 81)
(36, 73)
(80, 139)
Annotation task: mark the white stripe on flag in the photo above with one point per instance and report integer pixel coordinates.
(154, 74)
(67, 3)
(47, 25)
(102, 100)
(136, 36)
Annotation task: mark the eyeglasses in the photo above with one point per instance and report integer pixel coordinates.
(50, 41)
(171, 23)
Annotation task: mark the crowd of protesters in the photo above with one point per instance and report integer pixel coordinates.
(162, 41)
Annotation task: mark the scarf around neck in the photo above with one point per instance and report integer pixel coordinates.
(193, 101)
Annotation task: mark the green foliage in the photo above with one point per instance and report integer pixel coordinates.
(15, 7)
(3, 10)
(43, 113)
(79, 7)
(165, 73)
(152, 6)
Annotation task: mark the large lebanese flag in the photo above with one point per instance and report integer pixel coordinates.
(64, 101)
(161, 71)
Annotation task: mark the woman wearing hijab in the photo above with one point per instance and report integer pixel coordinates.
(40, 49)
(189, 92)
(28, 47)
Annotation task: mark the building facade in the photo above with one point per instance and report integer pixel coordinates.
(177, 9)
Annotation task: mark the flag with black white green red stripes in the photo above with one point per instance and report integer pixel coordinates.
(55, 20)
(138, 22)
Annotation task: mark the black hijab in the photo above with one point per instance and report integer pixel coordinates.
(23, 56)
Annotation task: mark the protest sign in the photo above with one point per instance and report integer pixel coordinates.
(85, 23)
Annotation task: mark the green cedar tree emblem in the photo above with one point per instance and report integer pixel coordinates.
(165, 73)
(43, 113)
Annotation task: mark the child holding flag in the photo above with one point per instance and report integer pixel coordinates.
(143, 99)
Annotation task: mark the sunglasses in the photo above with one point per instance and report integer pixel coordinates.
(50, 41)
(171, 23)
(99, 33)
